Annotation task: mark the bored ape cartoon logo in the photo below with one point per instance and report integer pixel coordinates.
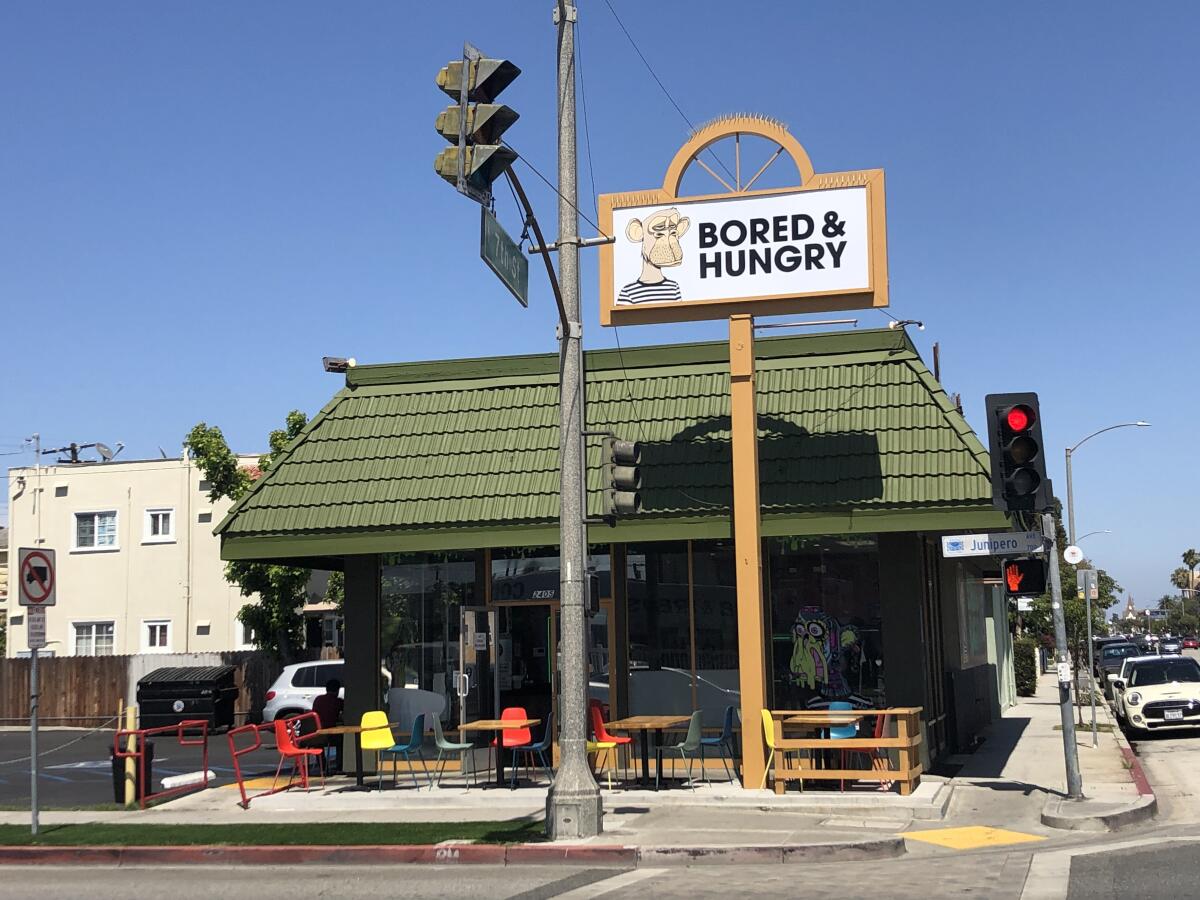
(659, 237)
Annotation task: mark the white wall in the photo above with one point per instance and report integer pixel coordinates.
(180, 581)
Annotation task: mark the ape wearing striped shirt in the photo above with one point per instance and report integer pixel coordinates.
(659, 237)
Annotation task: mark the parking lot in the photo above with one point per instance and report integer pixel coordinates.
(76, 765)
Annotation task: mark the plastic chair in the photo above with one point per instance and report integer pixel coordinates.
(842, 732)
(723, 742)
(415, 739)
(376, 735)
(539, 750)
(600, 731)
(285, 734)
(445, 746)
(687, 748)
(596, 747)
(879, 753)
(511, 738)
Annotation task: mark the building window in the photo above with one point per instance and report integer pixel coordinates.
(159, 526)
(93, 638)
(156, 636)
(96, 530)
(825, 621)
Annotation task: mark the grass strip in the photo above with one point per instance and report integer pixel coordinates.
(300, 833)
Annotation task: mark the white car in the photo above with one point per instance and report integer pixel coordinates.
(298, 685)
(1160, 694)
(1121, 675)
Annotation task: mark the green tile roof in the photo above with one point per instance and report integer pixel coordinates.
(855, 434)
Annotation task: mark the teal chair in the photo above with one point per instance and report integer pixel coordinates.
(687, 748)
(842, 732)
(445, 746)
(413, 747)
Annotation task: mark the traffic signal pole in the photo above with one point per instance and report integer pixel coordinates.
(1062, 657)
(573, 808)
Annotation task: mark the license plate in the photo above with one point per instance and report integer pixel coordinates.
(1173, 714)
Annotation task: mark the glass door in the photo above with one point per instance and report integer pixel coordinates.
(476, 683)
(527, 651)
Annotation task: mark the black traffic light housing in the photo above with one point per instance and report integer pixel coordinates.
(1024, 577)
(622, 477)
(1019, 479)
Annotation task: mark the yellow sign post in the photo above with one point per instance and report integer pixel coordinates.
(813, 247)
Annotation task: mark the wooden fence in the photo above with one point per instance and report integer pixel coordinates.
(86, 691)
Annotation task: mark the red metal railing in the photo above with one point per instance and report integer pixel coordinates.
(292, 724)
(139, 753)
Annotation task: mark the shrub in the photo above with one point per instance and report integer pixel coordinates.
(1025, 666)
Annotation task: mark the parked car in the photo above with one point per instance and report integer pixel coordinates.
(298, 685)
(1109, 659)
(1123, 675)
(1170, 645)
(1191, 643)
(1160, 695)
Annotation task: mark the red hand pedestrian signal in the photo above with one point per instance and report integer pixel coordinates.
(1013, 576)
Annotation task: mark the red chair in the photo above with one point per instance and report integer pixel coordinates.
(286, 731)
(512, 738)
(596, 711)
(873, 756)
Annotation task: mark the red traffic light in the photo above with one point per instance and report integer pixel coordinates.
(1019, 418)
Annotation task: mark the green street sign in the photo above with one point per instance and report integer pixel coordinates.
(503, 256)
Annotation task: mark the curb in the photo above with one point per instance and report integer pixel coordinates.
(1057, 814)
(453, 854)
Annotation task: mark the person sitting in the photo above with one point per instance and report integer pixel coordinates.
(328, 707)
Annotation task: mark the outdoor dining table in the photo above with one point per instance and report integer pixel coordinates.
(646, 724)
(355, 730)
(496, 726)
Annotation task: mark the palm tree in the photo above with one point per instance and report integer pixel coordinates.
(1181, 578)
(1191, 559)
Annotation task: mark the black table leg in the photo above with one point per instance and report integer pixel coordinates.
(358, 762)
(499, 759)
(658, 756)
(645, 756)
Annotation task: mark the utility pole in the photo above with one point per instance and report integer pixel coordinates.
(573, 807)
(1062, 657)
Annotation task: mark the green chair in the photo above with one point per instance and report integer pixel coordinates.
(687, 748)
(443, 747)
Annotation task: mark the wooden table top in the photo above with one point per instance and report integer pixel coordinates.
(346, 729)
(645, 723)
(497, 724)
(826, 717)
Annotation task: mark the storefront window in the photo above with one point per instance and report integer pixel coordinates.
(660, 647)
(825, 621)
(422, 597)
(714, 602)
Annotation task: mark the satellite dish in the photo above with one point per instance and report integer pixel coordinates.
(1073, 555)
(105, 451)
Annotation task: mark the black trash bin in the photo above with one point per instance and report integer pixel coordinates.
(118, 767)
(173, 695)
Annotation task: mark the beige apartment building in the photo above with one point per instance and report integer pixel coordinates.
(138, 566)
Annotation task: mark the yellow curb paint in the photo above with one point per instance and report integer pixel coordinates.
(971, 837)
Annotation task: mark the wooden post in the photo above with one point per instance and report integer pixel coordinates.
(131, 770)
(747, 542)
(906, 726)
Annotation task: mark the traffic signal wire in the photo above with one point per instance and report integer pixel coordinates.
(548, 184)
(587, 134)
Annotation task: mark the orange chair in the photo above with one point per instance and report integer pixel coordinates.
(286, 731)
(596, 711)
(512, 738)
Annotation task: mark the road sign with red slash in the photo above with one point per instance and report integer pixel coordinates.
(35, 575)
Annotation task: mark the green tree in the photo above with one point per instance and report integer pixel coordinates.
(276, 621)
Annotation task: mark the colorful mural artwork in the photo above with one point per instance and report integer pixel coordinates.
(818, 643)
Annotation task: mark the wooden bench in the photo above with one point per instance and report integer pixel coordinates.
(906, 742)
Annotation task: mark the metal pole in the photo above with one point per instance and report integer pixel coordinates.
(1070, 750)
(33, 738)
(573, 806)
(1087, 600)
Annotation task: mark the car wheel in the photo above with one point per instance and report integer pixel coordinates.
(288, 713)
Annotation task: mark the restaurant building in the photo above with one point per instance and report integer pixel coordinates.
(434, 486)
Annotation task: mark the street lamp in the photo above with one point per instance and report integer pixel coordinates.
(1071, 540)
(1084, 537)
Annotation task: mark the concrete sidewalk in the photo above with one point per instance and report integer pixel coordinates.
(1023, 753)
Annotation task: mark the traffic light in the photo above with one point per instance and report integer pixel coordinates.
(1019, 481)
(1024, 577)
(474, 125)
(622, 477)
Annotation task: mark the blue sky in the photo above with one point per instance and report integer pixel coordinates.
(198, 201)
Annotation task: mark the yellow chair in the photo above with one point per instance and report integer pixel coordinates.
(598, 746)
(376, 735)
(769, 734)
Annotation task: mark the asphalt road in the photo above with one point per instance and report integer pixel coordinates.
(76, 765)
